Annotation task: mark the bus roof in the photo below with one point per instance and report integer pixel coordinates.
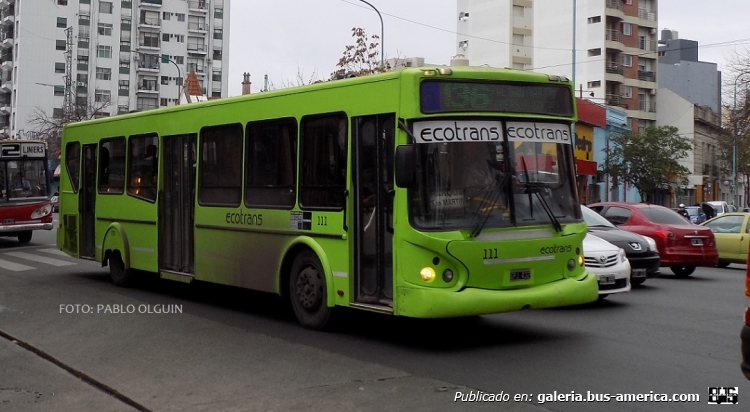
(441, 72)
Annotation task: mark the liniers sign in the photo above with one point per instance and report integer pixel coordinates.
(447, 131)
(21, 149)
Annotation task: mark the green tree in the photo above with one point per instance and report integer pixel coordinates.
(361, 58)
(648, 161)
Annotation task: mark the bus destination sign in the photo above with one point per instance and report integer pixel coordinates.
(21, 150)
(507, 97)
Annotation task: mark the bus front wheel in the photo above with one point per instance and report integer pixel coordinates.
(120, 276)
(307, 291)
(25, 237)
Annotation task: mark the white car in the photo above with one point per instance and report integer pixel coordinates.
(609, 263)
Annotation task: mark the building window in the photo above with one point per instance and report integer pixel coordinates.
(216, 76)
(595, 19)
(59, 67)
(62, 22)
(59, 90)
(217, 55)
(626, 60)
(104, 29)
(150, 40)
(164, 80)
(165, 37)
(627, 29)
(595, 52)
(179, 59)
(180, 16)
(57, 113)
(103, 73)
(218, 34)
(82, 79)
(60, 45)
(146, 103)
(164, 102)
(166, 15)
(62, 2)
(102, 96)
(105, 7)
(104, 51)
(83, 33)
(594, 84)
(626, 92)
(123, 84)
(179, 38)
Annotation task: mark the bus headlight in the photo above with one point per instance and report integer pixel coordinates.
(427, 274)
(42, 212)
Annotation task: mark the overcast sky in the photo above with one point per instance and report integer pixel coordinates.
(284, 38)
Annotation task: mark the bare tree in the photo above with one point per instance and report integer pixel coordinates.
(361, 58)
(49, 127)
(734, 145)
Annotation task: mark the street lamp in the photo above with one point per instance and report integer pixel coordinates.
(381, 31)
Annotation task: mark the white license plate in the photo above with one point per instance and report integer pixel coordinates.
(520, 274)
(697, 242)
(638, 273)
(607, 279)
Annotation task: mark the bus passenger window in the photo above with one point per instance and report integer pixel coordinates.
(323, 161)
(143, 163)
(220, 166)
(112, 166)
(270, 168)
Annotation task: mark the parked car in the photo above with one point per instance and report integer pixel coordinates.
(641, 251)
(720, 207)
(682, 246)
(609, 263)
(745, 334)
(732, 234)
(696, 214)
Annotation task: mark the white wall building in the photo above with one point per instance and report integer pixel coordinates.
(116, 51)
(497, 33)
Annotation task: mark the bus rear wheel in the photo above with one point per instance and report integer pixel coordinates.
(120, 276)
(25, 237)
(307, 291)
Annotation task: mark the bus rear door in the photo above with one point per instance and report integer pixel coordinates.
(177, 205)
(373, 208)
(87, 203)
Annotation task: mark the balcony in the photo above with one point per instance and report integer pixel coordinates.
(7, 42)
(200, 27)
(615, 100)
(148, 66)
(150, 3)
(148, 45)
(8, 20)
(648, 45)
(614, 4)
(646, 14)
(149, 22)
(6, 3)
(200, 6)
(647, 106)
(199, 69)
(614, 35)
(148, 87)
(6, 87)
(614, 68)
(5, 109)
(646, 76)
(197, 48)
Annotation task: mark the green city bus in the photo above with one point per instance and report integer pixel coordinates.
(426, 192)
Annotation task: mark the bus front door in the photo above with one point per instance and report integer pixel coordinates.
(373, 208)
(87, 204)
(177, 205)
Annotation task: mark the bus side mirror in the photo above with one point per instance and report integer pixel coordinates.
(406, 165)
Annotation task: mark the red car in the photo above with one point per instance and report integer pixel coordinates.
(682, 245)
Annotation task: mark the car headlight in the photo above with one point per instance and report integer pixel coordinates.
(623, 255)
(651, 243)
(42, 211)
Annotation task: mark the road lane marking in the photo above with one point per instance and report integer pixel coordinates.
(57, 252)
(16, 267)
(42, 259)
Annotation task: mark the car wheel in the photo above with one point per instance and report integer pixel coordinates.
(682, 271)
(120, 276)
(637, 281)
(722, 264)
(25, 237)
(307, 291)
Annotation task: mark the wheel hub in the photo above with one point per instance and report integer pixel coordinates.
(309, 288)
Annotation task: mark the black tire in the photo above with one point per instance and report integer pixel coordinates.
(120, 276)
(25, 237)
(637, 281)
(682, 271)
(722, 264)
(307, 291)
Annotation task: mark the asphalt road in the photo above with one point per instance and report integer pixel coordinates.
(236, 350)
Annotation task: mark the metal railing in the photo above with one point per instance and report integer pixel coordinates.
(614, 68)
(614, 35)
(646, 14)
(646, 76)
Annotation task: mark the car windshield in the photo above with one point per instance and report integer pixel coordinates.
(693, 211)
(663, 215)
(594, 219)
(491, 182)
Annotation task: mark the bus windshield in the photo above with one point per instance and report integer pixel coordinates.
(481, 184)
(22, 179)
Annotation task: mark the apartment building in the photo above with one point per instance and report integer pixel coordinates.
(613, 62)
(496, 33)
(115, 56)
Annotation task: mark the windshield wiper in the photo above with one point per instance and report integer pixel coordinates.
(489, 202)
(536, 186)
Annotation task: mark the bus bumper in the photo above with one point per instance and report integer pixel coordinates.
(25, 227)
(436, 303)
